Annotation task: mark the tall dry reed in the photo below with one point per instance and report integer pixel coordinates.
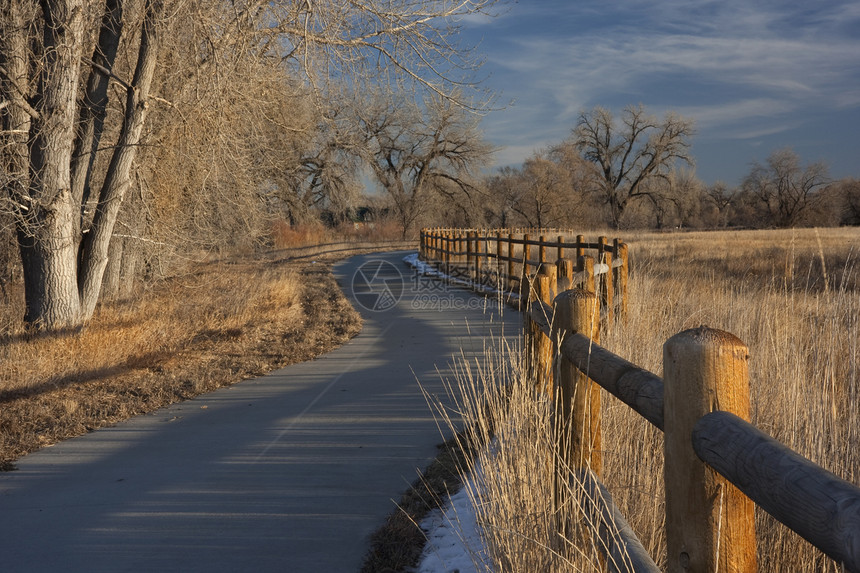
(792, 296)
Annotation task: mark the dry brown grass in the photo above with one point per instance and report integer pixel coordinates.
(224, 322)
(792, 296)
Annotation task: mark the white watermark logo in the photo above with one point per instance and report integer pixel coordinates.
(377, 285)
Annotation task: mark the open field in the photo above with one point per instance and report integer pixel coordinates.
(221, 322)
(792, 296)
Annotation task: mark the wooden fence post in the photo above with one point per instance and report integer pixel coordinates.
(479, 249)
(604, 256)
(560, 252)
(620, 251)
(525, 280)
(446, 253)
(458, 247)
(578, 406)
(545, 285)
(511, 264)
(585, 264)
(468, 239)
(565, 274)
(500, 268)
(580, 246)
(709, 523)
(542, 250)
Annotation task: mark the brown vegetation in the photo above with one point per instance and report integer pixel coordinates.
(221, 322)
(791, 296)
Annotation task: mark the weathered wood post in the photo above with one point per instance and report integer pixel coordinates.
(500, 267)
(566, 270)
(607, 291)
(585, 264)
(525, 273)
(542, 250)
(446, 250)
(479, 250)
(578, 407)
(709, 523)
(511, 264)
(580, 246)
(546, 290)
(620, 251)
(468, 240)
(560, 252)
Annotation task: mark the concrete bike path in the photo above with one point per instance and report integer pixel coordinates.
(288, 472)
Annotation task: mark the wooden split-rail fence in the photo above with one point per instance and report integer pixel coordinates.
(717, 464)
(507, 259)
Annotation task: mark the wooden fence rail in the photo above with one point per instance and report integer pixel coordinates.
(716, 463)
(709, 524)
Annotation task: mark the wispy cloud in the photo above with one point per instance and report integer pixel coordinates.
(739, 69)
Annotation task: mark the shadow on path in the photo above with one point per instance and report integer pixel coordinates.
(287, 472)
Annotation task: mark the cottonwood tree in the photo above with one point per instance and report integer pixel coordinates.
(722, 197)
(42, 75)
(547, 193)
(550, 189)
(785, 190)
(503, 191)
(326, 176)
(420, 150)
(675, 199)
(848, 191)
(60, 79)
(629, 152)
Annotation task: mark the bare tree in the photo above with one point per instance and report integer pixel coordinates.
(546, 193)
(785, 190)
(628, 154)
(849, 192)
(504, 191)
(416, 151)
(723, 198)
(55, 50)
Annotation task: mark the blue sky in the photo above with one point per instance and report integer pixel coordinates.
(754, 75)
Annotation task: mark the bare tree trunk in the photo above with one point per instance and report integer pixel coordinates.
(111, 279)
(94, 105)
(94, 251)
(49, 260)
(14, 88)
(46, 236)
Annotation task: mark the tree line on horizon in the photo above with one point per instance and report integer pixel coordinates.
(635, 171)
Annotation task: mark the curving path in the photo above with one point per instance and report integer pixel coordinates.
(287, 472)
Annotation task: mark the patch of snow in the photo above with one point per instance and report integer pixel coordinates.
(454, 540)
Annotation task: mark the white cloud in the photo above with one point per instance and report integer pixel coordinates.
(740, 69)
(734, 112)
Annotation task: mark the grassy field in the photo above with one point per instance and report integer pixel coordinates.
(792, 296)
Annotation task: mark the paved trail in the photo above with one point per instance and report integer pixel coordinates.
(287, 472)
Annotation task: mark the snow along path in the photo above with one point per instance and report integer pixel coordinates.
(287, 472)
(454, 540)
